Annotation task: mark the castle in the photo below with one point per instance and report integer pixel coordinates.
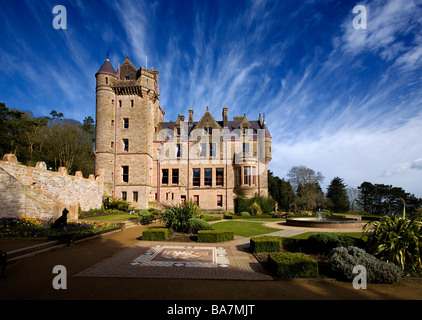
(149, 162)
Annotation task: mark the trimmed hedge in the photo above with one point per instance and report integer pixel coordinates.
(214, 235)
(265, 244)
(155, 234)
(292, 265)
(196, 224)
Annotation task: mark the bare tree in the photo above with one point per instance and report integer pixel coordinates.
(306, 182)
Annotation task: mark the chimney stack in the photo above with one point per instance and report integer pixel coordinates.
(190, 122)
(225, 117)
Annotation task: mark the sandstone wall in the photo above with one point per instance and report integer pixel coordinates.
(38, 192)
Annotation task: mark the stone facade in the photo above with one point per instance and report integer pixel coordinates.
(150, 162)
(38, 192)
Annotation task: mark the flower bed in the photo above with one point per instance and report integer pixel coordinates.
(38, 228)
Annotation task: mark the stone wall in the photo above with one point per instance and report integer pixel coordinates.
(38, 192)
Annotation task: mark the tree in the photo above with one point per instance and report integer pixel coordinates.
(381, 199)
(338, 200)
(281, 191)
(306, 182)
(353, 194)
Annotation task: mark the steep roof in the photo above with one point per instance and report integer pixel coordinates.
(231, 125)
(107, 68)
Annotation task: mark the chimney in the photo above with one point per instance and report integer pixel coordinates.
(225, 117)
(260, 120)
(190, 122)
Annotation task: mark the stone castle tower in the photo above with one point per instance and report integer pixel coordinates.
(149, 162)
(127, 111)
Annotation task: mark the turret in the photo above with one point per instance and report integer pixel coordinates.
(105, 123)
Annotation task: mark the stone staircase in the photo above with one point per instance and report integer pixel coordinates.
(23, 253)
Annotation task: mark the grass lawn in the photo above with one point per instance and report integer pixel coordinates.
(112, 217)
(306, 235)
(243, 228)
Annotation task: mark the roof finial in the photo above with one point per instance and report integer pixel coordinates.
(107, 55)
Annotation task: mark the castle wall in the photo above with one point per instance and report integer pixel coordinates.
(38, 192)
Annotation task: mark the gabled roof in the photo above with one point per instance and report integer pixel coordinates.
(107, 68)
(231, 125)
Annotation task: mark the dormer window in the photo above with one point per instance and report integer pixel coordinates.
(208, 131)
(178, 131)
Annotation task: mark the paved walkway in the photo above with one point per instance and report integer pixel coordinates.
(32, 278)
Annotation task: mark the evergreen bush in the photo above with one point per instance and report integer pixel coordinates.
(292, 265)
(214, 235)
(343, 260)
(265, 244)
(196, 224)
(155, 234)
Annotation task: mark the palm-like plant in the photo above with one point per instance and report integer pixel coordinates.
(177, 217)
(397, 240)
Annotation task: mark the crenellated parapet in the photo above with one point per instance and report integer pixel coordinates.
(47, 188)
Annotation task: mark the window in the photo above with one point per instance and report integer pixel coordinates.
(112, 144)
(165, 176)
(125, 123)
(203, 150)
(208, 131)
(175, 176)
(212, 150)
(126, 77)
(238, 176)
(254, 176)
(196, 199)
(106, 79)
(246, 176)
(245, 131)
(124, 195)
(219, 200)
(182, 199)
(131, 103)
(196, 177)
(245, 148)
(125, 174)
(112, 102)
(112, 123)
(207, 177)
(178, 131)
(125, 145)
(120, 103)
(219, 176)
(135, 196)
(179, 151)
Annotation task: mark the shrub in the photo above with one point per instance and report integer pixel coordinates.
(324, 242)
(242, 204)
(155, 234)
(396, 239)
(292, 265)
(196, 224)
(177, 217)
(244, 214)
(210, 218)
(214, 235)
(265, 244)
(343, 260)
(255, 209)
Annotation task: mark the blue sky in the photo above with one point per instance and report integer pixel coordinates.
(343, 101)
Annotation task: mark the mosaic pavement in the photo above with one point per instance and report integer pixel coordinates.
(147, 259)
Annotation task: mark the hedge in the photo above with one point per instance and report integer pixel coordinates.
(265, 244)
(214, 235)
(292, 265)
(155, 234)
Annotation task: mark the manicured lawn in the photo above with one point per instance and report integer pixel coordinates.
(113, 217)
(306, 235)
(243, 228)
